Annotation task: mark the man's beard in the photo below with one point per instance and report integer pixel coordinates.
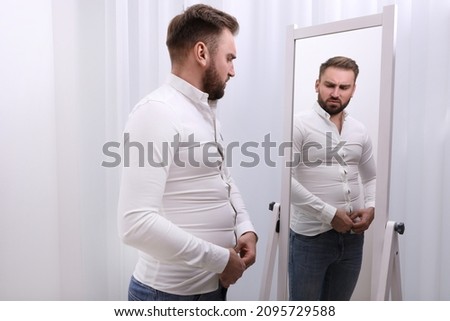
(332, 110)
(212, 84)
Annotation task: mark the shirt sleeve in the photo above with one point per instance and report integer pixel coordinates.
(151, 129)
(304, 199)
(300, 196)
(243, 222)
(367, 171)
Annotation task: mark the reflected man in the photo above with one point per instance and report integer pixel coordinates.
(332, 192)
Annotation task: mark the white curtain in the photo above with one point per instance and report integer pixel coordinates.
(70, 71)
(420, 181)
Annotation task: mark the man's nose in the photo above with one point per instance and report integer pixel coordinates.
(336, 92)
(231, 73)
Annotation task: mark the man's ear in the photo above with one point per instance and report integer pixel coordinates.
(201, 53)
(316, 86)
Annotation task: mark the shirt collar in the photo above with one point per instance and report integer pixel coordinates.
(198, 97)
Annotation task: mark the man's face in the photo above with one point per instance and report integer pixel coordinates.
(221, 66)
(334, 89)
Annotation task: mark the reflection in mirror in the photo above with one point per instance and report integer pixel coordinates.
(370, 42)
(310, 53)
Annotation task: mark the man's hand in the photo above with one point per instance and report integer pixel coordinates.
(362, 218)
(341, 222)
(233, 271)
(246, 247)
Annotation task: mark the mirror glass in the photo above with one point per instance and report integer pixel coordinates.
(310, 53)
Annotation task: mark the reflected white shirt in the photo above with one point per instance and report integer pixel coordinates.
(330, 167)
(183, 214)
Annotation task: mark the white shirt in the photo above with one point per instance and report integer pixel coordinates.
(183, 216)
(330, 170)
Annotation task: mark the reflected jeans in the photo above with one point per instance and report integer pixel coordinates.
(138, 291)
(325, 266)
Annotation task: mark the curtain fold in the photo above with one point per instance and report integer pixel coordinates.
(71, 72)
(420, 176)
(29, 250)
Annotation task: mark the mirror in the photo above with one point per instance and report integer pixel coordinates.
(311, 52)
(370, 42)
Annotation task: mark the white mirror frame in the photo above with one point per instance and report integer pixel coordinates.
(387, 21)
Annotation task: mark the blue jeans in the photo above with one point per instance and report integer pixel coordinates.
(138, 291)
(325, 266)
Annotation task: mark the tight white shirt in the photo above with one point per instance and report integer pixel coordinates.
(329, 174)
(183, 214)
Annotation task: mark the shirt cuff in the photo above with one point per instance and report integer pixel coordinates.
(370, 204)
(219, 259)
(245, 227)
(328, 213)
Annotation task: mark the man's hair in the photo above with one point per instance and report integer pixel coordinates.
(341, 63)
(197, 23)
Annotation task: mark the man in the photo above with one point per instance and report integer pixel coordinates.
(181, 208)
(329, 211)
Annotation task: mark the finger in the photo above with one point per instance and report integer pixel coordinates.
(359, 227)
(249, 260)
(355, 215)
